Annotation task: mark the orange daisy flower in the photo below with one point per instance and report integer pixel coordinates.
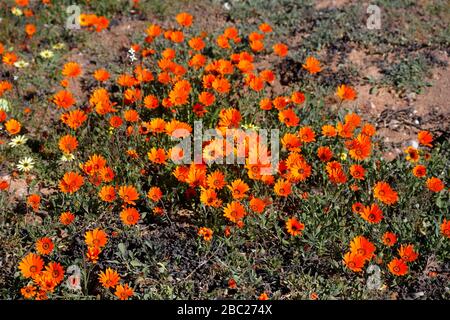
(31, 265)
(155, 194)
(312, 65)
(282, 188)
(294, 227)
(363, 247)
(71, 182)
(238, 189)
(419, 171)
(66, 218)
(184, 19)
(234, 211)
(372, 214)
(389, 239)
(398, 267)
(107, 193)
(445, 228)
(157, 156)
(109, 278)
(96, 238)
(435, 184)
(13, 126)
(44, 246)
(346, 93)
(354, 261)
(130, 216)
(216, 180)
(71, 70)
(68, 143)
(383, 192)
(206, 233)
(128, 194)
(407, 253)
(123, 292)
(425, 138)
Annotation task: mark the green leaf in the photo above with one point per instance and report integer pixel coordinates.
(123, 249)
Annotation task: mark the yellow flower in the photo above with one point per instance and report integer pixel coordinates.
(16, 11)
(343, 156)
(46, 54)
(21, 64)
(59, 46)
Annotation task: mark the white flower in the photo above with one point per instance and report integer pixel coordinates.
(21, 64)
(18, 141)
(4, 105)
(132, 55)
(46, 54)
(67, 157)
(59, 46)
(16, 11)
(26, 164)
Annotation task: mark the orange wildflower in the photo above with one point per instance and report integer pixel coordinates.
(128, 194)
(71, 70)
(74, 119)
(354, 261)
(288, 117)
(234, 212)
(425, 138)
(257, 205)
(363, 247)
(407, 253)
(66, 218)
(107, 193)
(312, 65)
(346, 93)
(31, 265)
(101, 75)
(294, 227)
(445, 228)
(383, 192)
(280, 49)
(34, 201)
(216, 180)
(155, 194)
(44, 246)
(68, 143)
(109, 278)
(389, 239)
(357, 171)
(435, 184)
(282, 188)
(206, 233)
(398, 267)
(419, 171)
(96, 238)
(238, 189)
(307, 135)
(71, 182)
(157, 156)
(13, 126)
(372, 214)
(130, 216)
(184, 19)
(123, 292)
(325, 154)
